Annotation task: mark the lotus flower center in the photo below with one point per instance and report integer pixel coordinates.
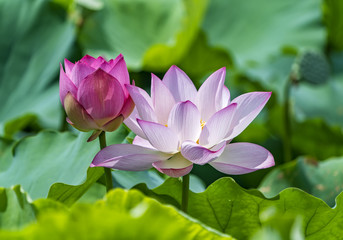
(202, 124)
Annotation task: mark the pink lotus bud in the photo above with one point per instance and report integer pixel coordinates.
(94, 95)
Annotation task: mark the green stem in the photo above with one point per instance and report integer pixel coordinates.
(287, 123)
(185, 190)
(108, 174)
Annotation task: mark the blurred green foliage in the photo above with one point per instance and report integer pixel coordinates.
(229, 208)
(260, 42)
(123, 215)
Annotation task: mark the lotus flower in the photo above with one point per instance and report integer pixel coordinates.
(94, 95)
(179, 126)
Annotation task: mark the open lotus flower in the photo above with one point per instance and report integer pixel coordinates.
(94, 95)
(179, 126)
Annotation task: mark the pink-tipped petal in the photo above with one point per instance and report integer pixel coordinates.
(119, 70)
(199, 154)
(179, 84)
(176, 166)
(175, 173)
(78, 115)
(225, 100)
(87, 59)
(218, 126)
(162, 99)
(80, 71)
(184, 119)
(127, 157)
(128, 107)
(143, 103)
(161, 137)
(66, 85)
(249, 105)
(101, 95)
(210, 94)
(139, 141)
(93, 62)
(131, 122)
(68, 67)
(98, 62)
(106, 66)
(241, 158)
(114, 124)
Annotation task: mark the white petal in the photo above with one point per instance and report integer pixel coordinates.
(143, 103)
(249, 105)
(184, 119)
(225, 99)
(127, 157)
(199, 154)
(210, 94)
(241, 158)
(139, 141)
(179, 85)
(162, 99)
(131, 122)
(161, 137)
(218, 127)
(176, 166)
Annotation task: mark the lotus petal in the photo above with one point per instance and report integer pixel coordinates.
(199, 154)
(210, 94)
(179, 85)
(184, 119)
(241, 158)
(163, 100)
(127, 157)
(161, 137)
(101, 95)
(176, 166)
(78, 115)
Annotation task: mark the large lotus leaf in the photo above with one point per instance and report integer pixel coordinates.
(56, 160)
(49, 157)
(321, 179)
(231, 209)
(128, 179)
(279, 226)
(152, 34)
(253, 31)
(55, 165)
(123, 215)
(15, 210)
(38, 36)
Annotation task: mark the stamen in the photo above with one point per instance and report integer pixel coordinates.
(202, 123)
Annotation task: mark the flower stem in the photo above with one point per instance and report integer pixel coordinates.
(185, 190)
(108, 174)
(287, 123)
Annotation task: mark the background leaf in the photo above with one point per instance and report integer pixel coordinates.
(321, 179)
(150, 34)
(36, 41)
(40, 161)
(15, 210)
(231, 209)
(263, 33)
(123, 215)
